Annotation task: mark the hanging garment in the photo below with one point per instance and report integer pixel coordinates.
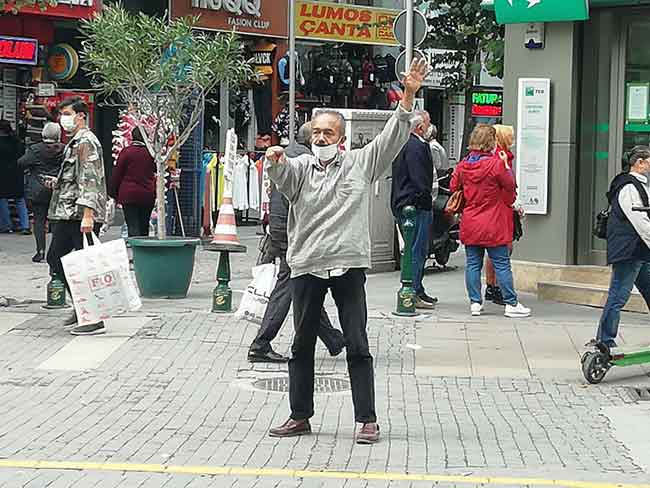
(220, 186)
(253, 187)
(240, 184)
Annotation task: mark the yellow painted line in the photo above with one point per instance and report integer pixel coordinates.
(292, 473)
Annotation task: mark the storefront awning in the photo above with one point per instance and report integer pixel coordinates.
(489, 4)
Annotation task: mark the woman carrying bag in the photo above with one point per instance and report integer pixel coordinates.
(42, 162)
(505, 137)
(489, 191)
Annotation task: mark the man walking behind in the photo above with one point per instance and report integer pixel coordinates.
(414, 178)
(78, 195)
(439, 154)
(628, 242)
(329, 248)
(280, 300)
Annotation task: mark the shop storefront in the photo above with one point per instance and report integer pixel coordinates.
(594, 59)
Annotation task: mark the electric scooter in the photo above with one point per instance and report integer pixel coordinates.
(596, 363)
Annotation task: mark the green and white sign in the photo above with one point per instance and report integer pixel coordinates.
(524, 11)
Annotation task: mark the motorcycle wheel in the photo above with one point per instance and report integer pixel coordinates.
(442, 256)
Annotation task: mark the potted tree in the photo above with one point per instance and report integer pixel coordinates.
(161, 69)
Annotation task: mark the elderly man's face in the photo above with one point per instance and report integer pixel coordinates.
(325, 130)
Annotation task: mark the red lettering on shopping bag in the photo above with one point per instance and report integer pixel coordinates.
(102, 281)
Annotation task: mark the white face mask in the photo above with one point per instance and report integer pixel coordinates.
(326, 153)
(429, 133)
(67, 122)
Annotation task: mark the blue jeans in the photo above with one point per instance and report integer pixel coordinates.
(500, 257)
(5, 217)
(420, 248)
(624, 276)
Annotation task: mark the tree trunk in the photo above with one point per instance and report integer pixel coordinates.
(160, 198)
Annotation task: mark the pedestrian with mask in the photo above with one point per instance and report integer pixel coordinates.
(133, 185)
(329, 249)
(12, 181)
(413, 182)
(628, 242)
(42, 162)
(78, 195)
(280, 299)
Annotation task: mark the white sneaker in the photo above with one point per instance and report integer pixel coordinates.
(476, 309)
(518, 311)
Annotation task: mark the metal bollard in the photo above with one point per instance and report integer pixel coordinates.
(56, 293)
(222, 296)
(406, 294)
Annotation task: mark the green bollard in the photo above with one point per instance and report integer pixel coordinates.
(222, 295)
(56, 294)
(406, 294)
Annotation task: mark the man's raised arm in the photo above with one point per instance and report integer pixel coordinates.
(377, 156)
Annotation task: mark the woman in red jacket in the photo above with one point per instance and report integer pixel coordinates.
(489, 191)
(133, 185)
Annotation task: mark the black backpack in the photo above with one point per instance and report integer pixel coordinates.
(602, 219)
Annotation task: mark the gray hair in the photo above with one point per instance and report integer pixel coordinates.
(304, 134)
(51, 132)
(333, 113)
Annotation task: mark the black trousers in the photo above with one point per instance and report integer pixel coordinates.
(350, 296)
(40, 231)
(66, 237)
(278, 309)
(137, 219)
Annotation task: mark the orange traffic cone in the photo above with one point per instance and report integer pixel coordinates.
(225, 232)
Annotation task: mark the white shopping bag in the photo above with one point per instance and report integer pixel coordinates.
(258, 292)
(100, 281)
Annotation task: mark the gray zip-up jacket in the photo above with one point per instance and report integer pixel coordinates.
(329, 208)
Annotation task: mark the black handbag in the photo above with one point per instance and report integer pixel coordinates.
(36, 189)
(517, 228)
(600, 224)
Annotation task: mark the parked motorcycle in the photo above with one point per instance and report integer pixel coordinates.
(445, 230)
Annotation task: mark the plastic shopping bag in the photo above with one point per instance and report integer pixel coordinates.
(258, 292)
(100, 281)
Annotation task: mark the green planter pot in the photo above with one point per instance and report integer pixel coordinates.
(163, 268)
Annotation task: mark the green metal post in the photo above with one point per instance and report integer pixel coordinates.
(222, 296)
(56, 294)
(406, 294)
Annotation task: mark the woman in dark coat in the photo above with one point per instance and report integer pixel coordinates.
(133, 185)
(12, 181)
(42, 163)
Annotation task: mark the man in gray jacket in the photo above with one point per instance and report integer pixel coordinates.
(277, 309)
(329, 249)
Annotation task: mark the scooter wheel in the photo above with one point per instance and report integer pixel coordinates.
(594, 367)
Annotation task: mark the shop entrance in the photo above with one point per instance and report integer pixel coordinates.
(614, 112)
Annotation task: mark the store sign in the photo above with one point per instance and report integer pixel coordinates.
(524, 11)
(18, 50)
(533, 136)
(261, 17)
(345, 23)
(70, 9)
(63, 62)
(45, 90)
(487, 104)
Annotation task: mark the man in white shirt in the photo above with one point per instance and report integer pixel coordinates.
(628, 242)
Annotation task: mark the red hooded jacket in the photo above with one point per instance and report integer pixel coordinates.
(489, 190)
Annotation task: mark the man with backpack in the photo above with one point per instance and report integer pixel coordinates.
(628, 242)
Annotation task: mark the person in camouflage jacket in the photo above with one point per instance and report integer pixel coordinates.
(81, 182)
(78, 195)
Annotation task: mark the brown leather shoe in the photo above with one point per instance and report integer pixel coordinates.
(291, 428)
(368, 433)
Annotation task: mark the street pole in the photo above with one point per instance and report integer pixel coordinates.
(292, 71)
(409, 33)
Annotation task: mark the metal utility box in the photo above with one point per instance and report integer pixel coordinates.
(361, 127)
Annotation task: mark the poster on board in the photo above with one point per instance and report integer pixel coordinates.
(533, 126)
